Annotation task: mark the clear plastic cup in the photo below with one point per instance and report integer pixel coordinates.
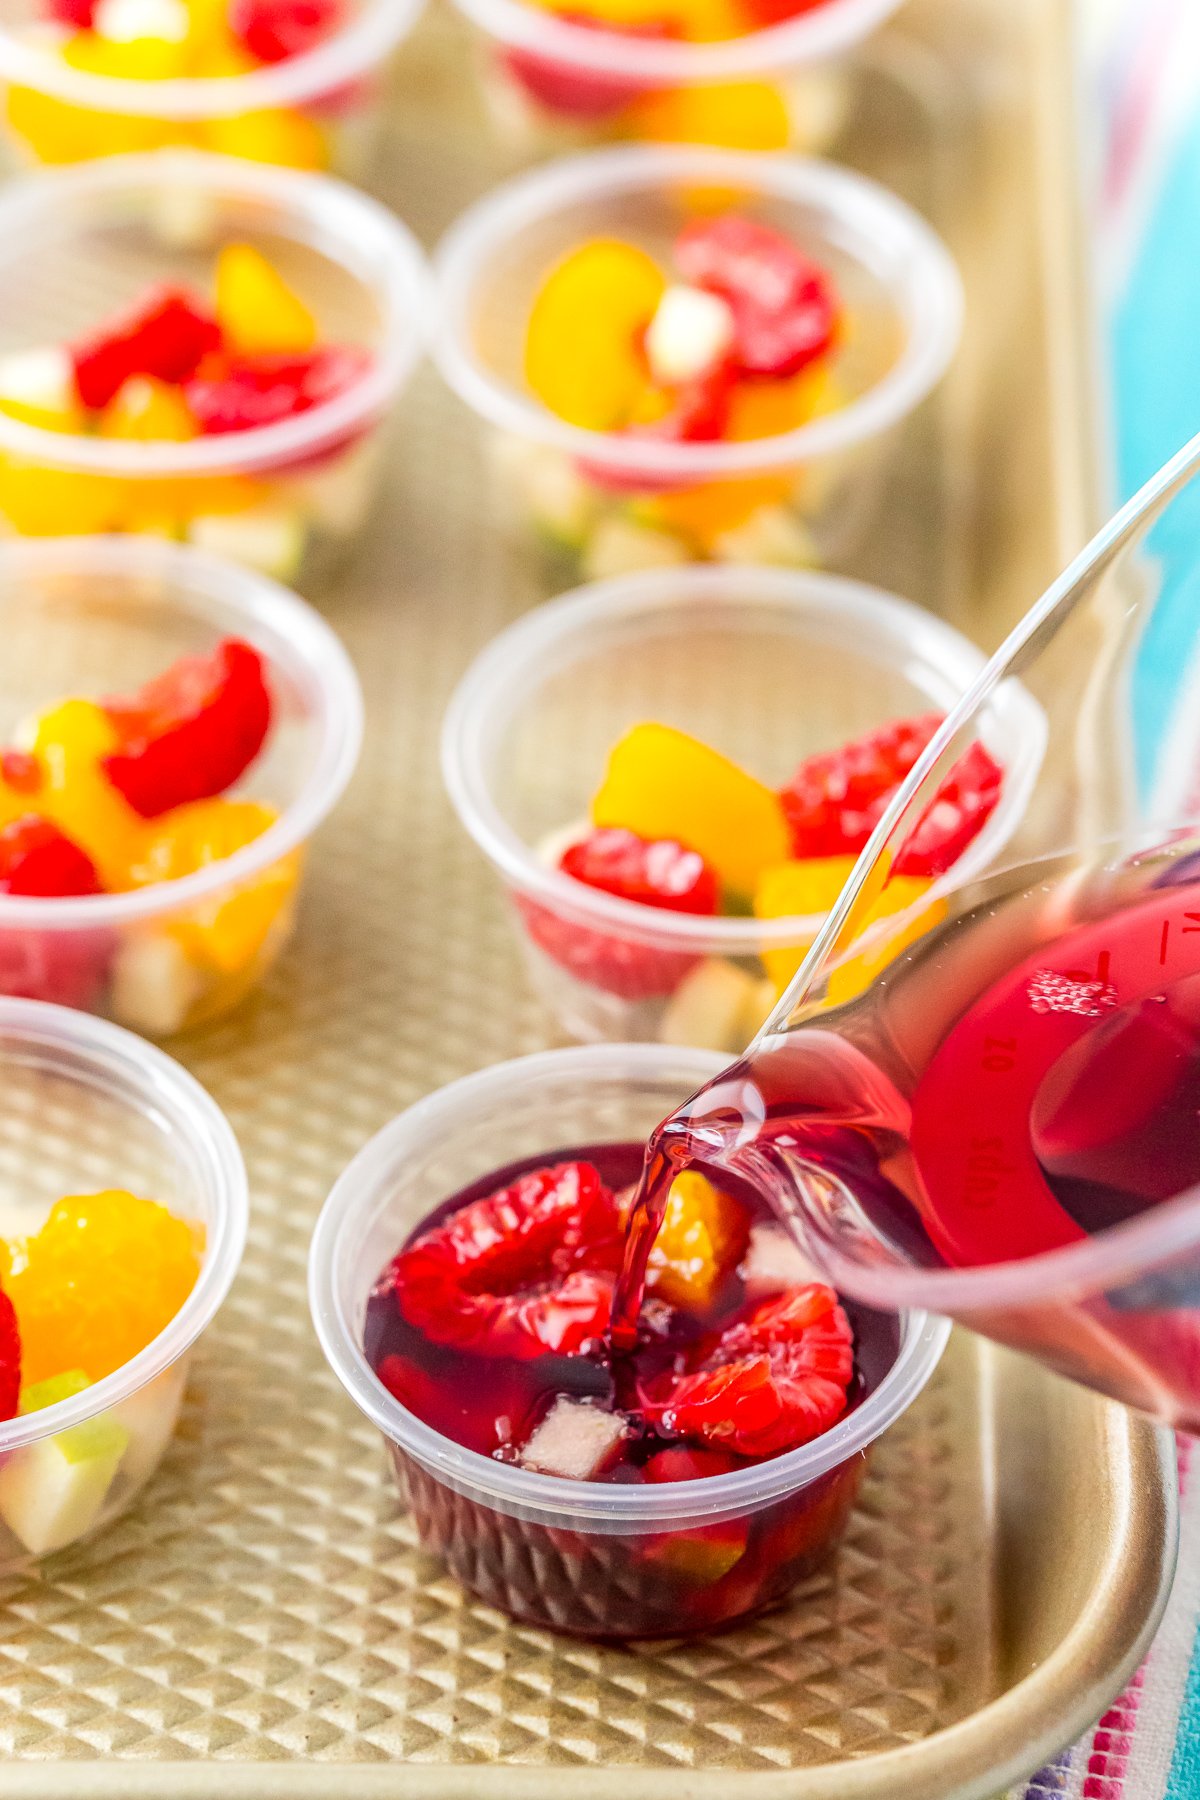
(767, 666)
(608, 502)
(89, 1107)
(319, 110)
(596, 1559)
(76, 245)
(95, 616)
(553, 83)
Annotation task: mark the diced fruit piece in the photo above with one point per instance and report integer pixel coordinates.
(10, 1358)
(835, 799)
(689, 336)
(661, 783)
(962, 806)
(661, 873)
(150, 1417)
(526, 1270)
(707, 512)
(54, 1389)
(240, 393)
(227, 933)
(104, 1275)
(36, 858)
(192, 731)
(801, 889)
(68, 968)
(259, 314)
(77, 13)
(773, 1262)
(784, 307)
(38, 386)
(696, 412)
(738, 115)
(902, 894)
(712, 1007)
(148, 410)
(270, 538)
(70, 742)
(772, 535)
(621, 547)
(40, 501)
(129, 21)
(776, 1379)
(685, 1462)
(155, 984)
(700, 1242)
(281, 135)
(53, 1491)
(167, 335)
(574, 92)
(615, 964)
(583, 354)
(574, 1440)
(273, 30)
(702, 1554)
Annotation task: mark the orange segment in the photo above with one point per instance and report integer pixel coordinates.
(662, 783)
(737, 115)
(703, 1237)
(41, 502)
(256, 309)
(105, 1274)
(148, 410)
(583, 355)
(706, 512)
(287, 138)
(69, 740)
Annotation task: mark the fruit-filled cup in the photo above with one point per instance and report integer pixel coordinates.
(201, 349)
(122, 1221)
(694, 1485)
(692, 355)
(297, 83)
(673, 772)
(742, 74)
(174, 729)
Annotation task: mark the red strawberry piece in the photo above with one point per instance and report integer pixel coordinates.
(579, 93)
(245, 392)
(166, 335)
(776, 12)
(10, 1359)
(273, 30)
(700, 414)
(835, 799)
(961, 808)
(784, 307)
(773, 1381)
(686, 1462)
(527, 1270)
(21, 772)
(661, 874)
(78, 14)
(36, 858)
(192, 731)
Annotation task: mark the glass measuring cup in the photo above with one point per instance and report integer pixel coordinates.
(1001, 1128)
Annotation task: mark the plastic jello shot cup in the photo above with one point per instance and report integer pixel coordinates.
(744, 76)
(764, 666)
(270, 457)
(85, 618)
(596, 244)
(597, 1558)
(298, 85)
(90, 1110)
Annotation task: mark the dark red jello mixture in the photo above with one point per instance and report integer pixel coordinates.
(492, 1326)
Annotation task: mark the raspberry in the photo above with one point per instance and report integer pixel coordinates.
(245, 392)
(682, 1463)
(10, 1359)
(192, 731)
(166, 336)
(959, 811)
(784, 307)
(78, 14)
(835, 799)
(105, 1274)
(773, 1381)
(273, 30)
(37, 858)
(660, 873)
(526, 1270)
(68, 968)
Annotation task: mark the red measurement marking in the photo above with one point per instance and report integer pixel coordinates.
(1162, 942)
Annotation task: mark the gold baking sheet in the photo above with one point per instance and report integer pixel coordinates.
(263, 1624)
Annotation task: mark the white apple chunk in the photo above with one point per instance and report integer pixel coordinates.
(773, 1263)
(689, 336)
(574, 1440)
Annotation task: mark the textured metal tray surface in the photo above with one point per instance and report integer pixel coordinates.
(263, 1624)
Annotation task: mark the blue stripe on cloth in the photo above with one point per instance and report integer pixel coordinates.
(1157, 384)
(1183, 1782)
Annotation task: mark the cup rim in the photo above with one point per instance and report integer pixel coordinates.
(826, 32)
(871, 224)
(349, 227)
(878, 625)
(165, 1085)
(335, 62)
(514, 1489)
(299, 638)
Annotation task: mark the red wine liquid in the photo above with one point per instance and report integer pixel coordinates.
(1023, 1078)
